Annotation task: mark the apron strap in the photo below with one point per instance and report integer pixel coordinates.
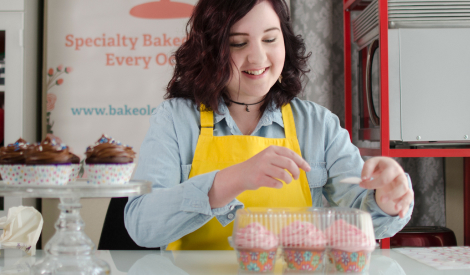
(289, 123)
(207, 121)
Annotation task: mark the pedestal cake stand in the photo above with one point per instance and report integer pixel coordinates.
(70, 250)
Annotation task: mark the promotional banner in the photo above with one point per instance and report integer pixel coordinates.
(108, 64)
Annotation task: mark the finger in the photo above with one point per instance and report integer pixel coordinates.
(396, 189)
(279, 173)
(407, 190)
(271, 183)
(404, 204)
(369, 167)
(380, 179)
(287, 163)
(288, 153)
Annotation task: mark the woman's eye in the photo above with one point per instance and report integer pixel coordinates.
(237, 45)
(270, 40)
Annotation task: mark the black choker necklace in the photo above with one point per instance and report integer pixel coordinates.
(240, 103)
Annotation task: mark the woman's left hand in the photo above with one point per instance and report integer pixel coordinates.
(391, 184)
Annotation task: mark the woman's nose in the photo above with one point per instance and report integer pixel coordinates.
(257, 54)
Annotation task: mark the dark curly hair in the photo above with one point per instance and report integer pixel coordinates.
(203, 69)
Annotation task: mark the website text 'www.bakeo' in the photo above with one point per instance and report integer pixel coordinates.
(113, 111)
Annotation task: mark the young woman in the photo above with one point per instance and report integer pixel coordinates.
(233, 134)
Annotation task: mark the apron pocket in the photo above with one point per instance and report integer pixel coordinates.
(185, 170)
(318, 175)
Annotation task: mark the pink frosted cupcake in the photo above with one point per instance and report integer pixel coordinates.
(350, 246)
(303, 246)
(109, 162)
(256, 248)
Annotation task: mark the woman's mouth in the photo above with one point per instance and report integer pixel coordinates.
(256, 72)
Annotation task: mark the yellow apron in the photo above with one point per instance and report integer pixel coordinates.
(219, 152)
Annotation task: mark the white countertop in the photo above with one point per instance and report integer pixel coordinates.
(383, 262)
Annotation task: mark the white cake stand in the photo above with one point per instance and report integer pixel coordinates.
(70, 250)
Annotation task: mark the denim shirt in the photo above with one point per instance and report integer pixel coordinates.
(178, 206)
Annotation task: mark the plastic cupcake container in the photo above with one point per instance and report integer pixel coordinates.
(303, 245)
(306, 236)
(254, 241)
(351, 240)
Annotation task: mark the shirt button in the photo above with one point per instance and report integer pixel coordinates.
(230, 216)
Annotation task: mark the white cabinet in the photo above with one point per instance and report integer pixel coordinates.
(19, 24)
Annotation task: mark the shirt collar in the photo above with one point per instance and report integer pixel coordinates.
(267, 119)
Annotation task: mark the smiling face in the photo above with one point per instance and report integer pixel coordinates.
(257, 52)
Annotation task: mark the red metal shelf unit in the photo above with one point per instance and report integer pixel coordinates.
(385, 150)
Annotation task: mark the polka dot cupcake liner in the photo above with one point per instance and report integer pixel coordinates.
(14, 174)
(74, 172)
(109, 174)
(51, 174)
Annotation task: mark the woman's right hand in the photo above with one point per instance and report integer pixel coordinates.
(265, 169)
(269, 166)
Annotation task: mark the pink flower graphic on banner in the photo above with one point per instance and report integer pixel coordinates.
(53, 80)
(51, 99)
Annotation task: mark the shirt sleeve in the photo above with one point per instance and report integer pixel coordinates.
(174, 208)
(344, 160)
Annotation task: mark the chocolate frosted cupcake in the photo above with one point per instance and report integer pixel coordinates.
(109, 162)
(14, 153)
(12, 159)
(48, 163)
(75, 160)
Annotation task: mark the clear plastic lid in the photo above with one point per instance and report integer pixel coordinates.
(303, 228)
(256, 228)
(350, 230)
